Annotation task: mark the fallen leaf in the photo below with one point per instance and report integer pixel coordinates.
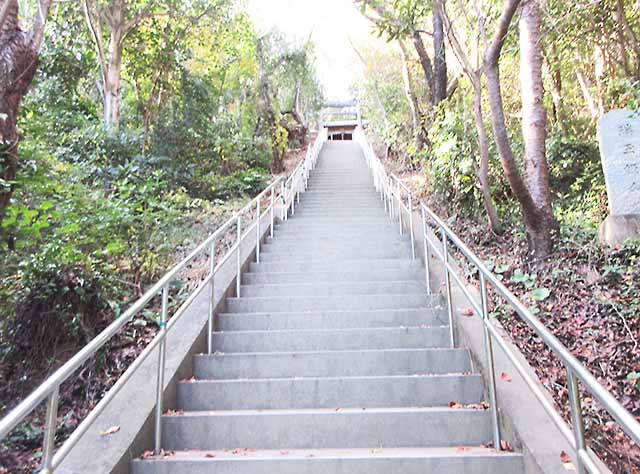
(113, 429)
(284, 452)
(505, 445)
(455, 405)
(506, 377)
(467, 312)
(209, 455)
(463, 448)
(147, 455)
(566, 461)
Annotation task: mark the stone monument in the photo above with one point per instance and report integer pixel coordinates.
(619, 137)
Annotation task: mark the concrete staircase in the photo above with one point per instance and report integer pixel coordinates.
(334, 360)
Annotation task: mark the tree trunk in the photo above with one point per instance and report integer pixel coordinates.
(111, 88)
(536, 222)
(18, 64)
(585, 87)
(482, 170)
(534, 117)
(412, 99)
(277, 164)
(439, 55)
(425, 62)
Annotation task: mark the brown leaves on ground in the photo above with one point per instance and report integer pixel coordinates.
(506, 377)
(593, 311)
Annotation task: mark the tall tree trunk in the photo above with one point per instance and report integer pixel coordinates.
(277, 163)
(482, 170)
(112, 80)
(412, 99)
(425, 62)
(585, 87)
(439, 55)
(18, 64)
(537, 226)
(534, 117)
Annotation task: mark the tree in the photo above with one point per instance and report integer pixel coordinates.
(109, 24)
(18, 63)
(533, 196)
(404, 19)
(474, 73)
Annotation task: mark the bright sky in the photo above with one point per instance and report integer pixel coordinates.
(333, 23)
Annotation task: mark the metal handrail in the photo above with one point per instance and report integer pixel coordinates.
(290, 189)
(587, 461)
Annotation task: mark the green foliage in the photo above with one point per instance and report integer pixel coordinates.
(97, 215)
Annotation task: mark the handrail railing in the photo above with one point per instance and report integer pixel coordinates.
(587, 461)
(288, 191)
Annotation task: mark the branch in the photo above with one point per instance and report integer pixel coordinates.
(96, 33)
(492, 53)
(40, 21)
(463, 59)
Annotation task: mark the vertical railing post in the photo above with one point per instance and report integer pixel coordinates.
(212, 303)
(488, 346)
(294, 185)
(413, 246)
(258, 211)
(283, 212)
(273, 201)
(447, 279)
(426, 249)
(239, 257)
(577, 421)
(399, 207)
(49, 441)
(162, 351)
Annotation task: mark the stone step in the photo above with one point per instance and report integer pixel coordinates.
(371, 460)
(372, 265)
(335, 289)
(331, 363)
(344, 275)
(332, 339)
(326, 303)
(330, 319)
(326, 428)
(333, 255)
(330, 392)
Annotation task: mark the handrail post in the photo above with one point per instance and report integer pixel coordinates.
(258, 231)
(577, 421)
(49, 441)
(399, 207)
(488, 346)
(393, 210)
(285, 211)
(273, 200)
(426, 249)
(239, 257)
(212, 271)
(293, 197)
(445, 254)
(162, 349)
(413, 246)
